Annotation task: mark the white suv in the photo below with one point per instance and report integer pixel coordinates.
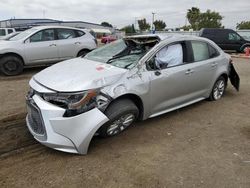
(43, 45)
(6, 31)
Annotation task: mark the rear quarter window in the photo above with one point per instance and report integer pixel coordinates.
(80, 33)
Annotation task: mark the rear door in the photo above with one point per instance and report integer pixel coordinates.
(204, 66)
(41, 47)
(68, 43)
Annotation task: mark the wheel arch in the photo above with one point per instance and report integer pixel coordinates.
(135, 99)
(12, 54)
(244, 45)
(84, 49)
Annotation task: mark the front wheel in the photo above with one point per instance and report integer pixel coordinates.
(218, 89)
(121, 114)
(11, 65)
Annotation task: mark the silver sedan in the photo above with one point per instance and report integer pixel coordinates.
(135, 78)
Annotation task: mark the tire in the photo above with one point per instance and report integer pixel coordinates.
(11, 65)
(121, 114)
(218, 89)
(82, 53)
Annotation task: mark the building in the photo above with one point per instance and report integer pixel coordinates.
(23, 24)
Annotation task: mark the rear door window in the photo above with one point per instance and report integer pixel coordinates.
(212, 51)
(63, 34)
(200, 51)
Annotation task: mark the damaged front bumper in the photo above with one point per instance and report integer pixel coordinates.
(69, 134)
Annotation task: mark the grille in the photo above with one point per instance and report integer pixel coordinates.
(34, 118)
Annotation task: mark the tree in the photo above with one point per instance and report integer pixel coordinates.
(159, 25)
(208, 19)
(243, 25)
(106, 24)
(143, 25)
(129, 29)
(186, 27)
(193, 15)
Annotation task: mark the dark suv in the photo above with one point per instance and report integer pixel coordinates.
(227, 39)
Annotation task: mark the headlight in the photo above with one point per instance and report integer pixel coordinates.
(74, 103)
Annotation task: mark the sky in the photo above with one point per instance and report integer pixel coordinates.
(124, 12)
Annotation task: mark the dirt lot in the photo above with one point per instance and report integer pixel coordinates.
(203, 145)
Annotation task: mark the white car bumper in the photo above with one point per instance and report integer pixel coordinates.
(69, 134)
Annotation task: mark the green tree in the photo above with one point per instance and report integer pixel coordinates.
(159, 25)
(129, 29)
(210, 19)
(143, 25)
(243, 25)
(186, 27)
(106, 24)
(193, 15)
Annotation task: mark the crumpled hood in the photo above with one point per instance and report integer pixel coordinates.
(78, 74)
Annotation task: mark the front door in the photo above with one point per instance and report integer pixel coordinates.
(41, 48)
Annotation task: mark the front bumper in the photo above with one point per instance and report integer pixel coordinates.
(68, 134)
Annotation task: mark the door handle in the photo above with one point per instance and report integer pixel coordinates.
(189, 71)
(52, 45)
(214, 64)
(77, 42)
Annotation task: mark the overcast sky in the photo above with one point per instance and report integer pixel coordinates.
(123, 12)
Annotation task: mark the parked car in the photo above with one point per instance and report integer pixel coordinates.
(108, 39)
(9, 36)
(227, 39)
(135, 78)
(6, 31)
(43, 45)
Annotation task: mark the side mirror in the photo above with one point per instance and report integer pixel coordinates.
(164, 65)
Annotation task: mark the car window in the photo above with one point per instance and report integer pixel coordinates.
(2, 32)
(44, 35)
(213, 52)
(80, 33)
(233, 37)
(66, 34)
(169, 56)
(10, 31)
(200, 51)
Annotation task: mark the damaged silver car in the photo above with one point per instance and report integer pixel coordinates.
(135, 78)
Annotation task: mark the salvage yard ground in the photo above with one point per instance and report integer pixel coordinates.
(203, 145)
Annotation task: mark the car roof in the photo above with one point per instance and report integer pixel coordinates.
(55, 26)
(166, 36)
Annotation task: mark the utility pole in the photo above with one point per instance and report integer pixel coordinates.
(153, 20)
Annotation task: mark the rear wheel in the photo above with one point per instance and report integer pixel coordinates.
(218, 89)
(121, 114)
(11, 65)
(82, 53)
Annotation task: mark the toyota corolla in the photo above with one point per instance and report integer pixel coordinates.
(135, 78)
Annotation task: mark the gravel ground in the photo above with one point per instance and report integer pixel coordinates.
(204, 145)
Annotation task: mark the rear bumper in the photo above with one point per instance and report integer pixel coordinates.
(68, 134)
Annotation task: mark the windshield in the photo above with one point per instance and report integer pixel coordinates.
(245, 34)
(23, 34)
(123, 53)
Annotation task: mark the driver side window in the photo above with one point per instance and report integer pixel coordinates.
(169, 56)
(44, 35)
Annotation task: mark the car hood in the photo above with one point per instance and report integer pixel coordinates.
(78, 74)
(6, 43)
